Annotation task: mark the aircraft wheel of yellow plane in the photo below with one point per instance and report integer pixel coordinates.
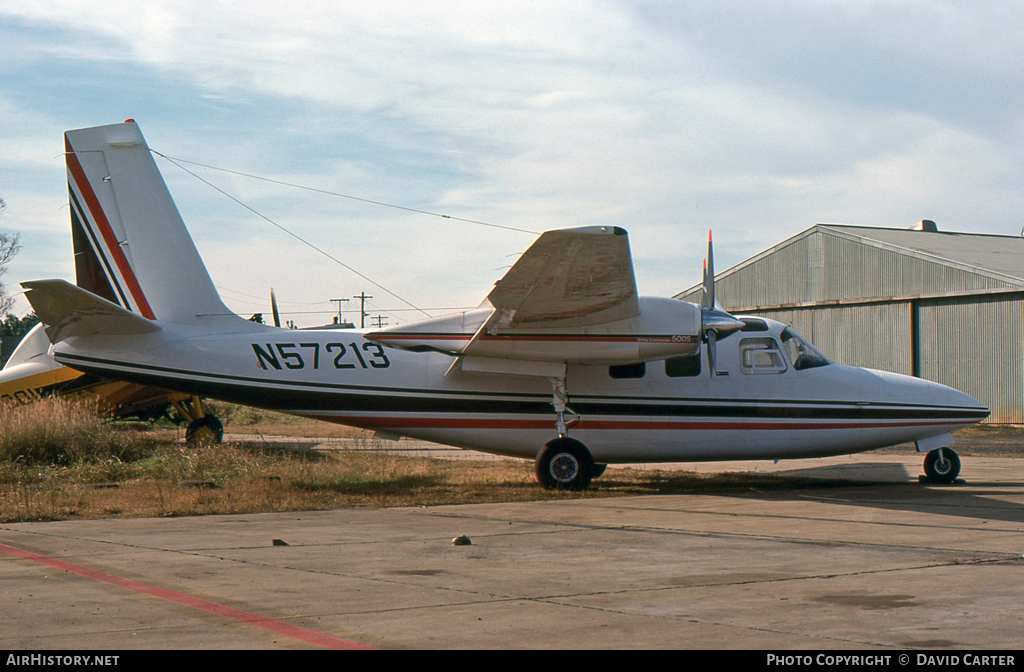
(942, 465)
(564, 464)
(204, 431)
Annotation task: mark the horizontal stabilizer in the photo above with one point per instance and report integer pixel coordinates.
(68, 311)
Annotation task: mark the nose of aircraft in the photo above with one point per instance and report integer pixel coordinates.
(925, 397)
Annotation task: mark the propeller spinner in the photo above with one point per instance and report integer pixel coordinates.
(716, 322)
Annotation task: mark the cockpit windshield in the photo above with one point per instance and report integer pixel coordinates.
(801, 353)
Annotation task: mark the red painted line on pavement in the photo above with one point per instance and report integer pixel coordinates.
(270, 624)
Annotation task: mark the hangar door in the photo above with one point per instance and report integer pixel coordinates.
(973, 344)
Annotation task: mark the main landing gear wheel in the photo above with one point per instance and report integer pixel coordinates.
(204, 431)
(564, 464)
(941, 465)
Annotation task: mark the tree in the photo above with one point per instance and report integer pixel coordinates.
(9, 246)
(16, 327)
(12, 328)
(12, 331)
(10, 243)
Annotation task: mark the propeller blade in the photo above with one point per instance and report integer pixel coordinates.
(273, 308)
(708, 300)
(716, 322)
(712, 353)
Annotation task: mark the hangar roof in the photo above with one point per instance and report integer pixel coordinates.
(838, 262)
(1002, 255)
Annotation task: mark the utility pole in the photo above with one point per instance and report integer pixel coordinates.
(362, 308)
(340, 321)
(379, 321)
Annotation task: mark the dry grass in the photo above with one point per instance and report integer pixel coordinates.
(58, 460)
(175, 480)
(258, 422)
(58, 431)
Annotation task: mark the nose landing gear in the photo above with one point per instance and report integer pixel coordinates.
(941, 465)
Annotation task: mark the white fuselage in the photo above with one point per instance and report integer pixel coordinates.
(563, 344)
(759, 406)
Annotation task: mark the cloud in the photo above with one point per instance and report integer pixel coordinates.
(754, 119)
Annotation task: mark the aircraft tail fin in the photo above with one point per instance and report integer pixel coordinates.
(131, 245)
(68, 311)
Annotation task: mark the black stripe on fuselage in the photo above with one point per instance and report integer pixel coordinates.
(310, 396)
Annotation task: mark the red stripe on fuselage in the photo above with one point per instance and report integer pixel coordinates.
(534, 337)
(114, 247)
(381, 422)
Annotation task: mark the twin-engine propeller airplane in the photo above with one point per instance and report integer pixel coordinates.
(562, 363)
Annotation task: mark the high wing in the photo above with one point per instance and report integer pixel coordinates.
(570, 298)
(584, 275)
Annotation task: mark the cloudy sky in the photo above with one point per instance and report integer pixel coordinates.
(754, 119)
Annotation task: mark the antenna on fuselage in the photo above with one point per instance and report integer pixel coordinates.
(273, 308)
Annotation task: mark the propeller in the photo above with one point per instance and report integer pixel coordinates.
(716, 322)
(273, 308)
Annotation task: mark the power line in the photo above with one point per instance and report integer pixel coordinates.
(290, 233)
(351, 198)
(331, 311)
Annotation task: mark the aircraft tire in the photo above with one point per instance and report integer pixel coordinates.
(942, 468)
(204, 431)
(598, 469)
(564, 464)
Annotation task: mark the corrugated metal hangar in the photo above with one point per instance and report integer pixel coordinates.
(943, 306)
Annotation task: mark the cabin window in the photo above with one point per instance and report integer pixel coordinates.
(761, 355)
(801, 352)
(628, 371)
(683, 367)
